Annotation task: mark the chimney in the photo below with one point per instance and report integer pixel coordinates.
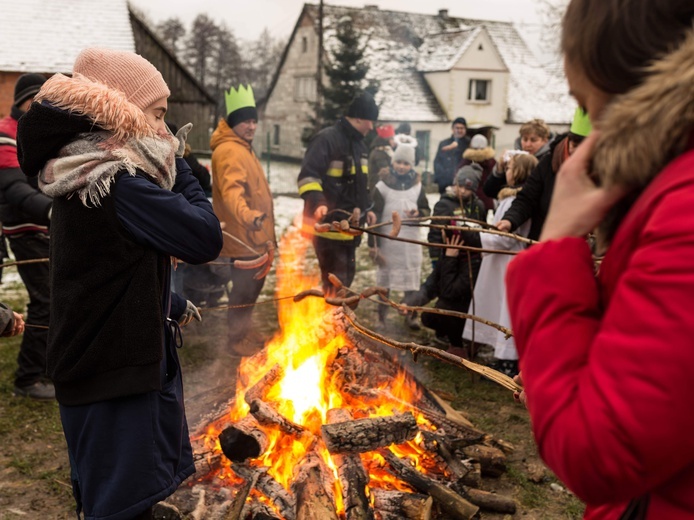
(371, 7)
(443, 13)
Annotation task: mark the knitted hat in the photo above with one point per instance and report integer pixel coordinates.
(385, 131)
(363, 106)
(27, 86)
(404, 153)
(469, 176)
(125, 71)
(581, 123)
(403, 128)
(478, 142)
(459, 120)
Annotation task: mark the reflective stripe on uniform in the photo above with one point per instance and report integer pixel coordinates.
(335, 169)
(309, 184)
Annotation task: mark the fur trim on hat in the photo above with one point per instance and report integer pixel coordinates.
(479, 155)
(643, 130)
(405, 139)
(107, 107)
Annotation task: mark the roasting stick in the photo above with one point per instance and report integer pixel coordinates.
(491, 374)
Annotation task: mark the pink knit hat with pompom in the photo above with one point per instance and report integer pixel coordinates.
(125, 71)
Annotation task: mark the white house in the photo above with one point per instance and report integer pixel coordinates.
(431, 69)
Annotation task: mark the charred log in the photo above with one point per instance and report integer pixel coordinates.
(492, 460)
(352, 475)
(269, 487)
(397, 504)
(267, 415)
(455, 506)
(313, 490)
(243, 440)
(263, 386)
(362, 435)
(239, 508)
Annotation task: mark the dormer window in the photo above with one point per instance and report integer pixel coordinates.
(479, 91)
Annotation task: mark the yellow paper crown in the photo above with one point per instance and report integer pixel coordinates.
(241, 98)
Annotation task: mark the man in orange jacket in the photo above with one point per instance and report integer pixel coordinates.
(242, 201)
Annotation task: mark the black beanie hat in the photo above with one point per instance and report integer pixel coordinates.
(459, 120)
(363, 106)
(27, 85)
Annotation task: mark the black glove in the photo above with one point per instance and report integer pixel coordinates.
(189, 314)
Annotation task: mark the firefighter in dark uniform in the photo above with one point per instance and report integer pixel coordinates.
(333, 181)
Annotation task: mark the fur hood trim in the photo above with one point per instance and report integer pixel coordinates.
(646, 128)
(479, 155)
(108, 108)
(508, 191)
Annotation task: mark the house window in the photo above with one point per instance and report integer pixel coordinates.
(304, 44)
(305, 88)
(276, 135)
(479, 90)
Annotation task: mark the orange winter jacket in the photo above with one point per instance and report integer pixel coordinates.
(240, 193)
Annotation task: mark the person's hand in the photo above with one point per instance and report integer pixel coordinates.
(258, 221)
(370, 218)
(520, 397)
(450, 147)
(455, 240)
(190, 313)
(320, 212)
(17, 326)
(578, 204)
(504, 225)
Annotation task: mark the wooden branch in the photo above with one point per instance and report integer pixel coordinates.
(263, 386)
(464, 434)
(407, 506)
(267, 415)
(353, 477)
(243, 440)
(314, 499)
(459, 468)
(489, 373)
(269, 487)
(491, 231)
(492, 460)
(491, 501)
(452, 503)
(362, 435)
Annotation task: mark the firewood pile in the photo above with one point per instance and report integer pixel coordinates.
(382, 454)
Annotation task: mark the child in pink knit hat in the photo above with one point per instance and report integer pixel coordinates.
(124, 206)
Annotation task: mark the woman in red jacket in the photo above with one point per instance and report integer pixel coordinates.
(608, 360)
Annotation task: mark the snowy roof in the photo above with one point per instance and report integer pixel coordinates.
(400, 46)
(46, 35)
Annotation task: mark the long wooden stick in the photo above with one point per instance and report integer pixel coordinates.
(491, 374)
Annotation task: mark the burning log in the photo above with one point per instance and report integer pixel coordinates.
(400, 505)
(352, 474)
(239, 509)
(312, 486)
(260, 511)
(262, 387)
(491, 501)
(451, 502)
(458, 467)
(492, 460)
(243, 440)
(267, 415)
(269, 487)
(465, 434)
(364, 435)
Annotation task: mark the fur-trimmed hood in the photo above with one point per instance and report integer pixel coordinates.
(643, 130)
(479, 155)
(107, 108)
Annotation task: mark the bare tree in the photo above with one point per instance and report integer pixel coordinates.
(227, 65)
(264, 56)
(171, 31)
(200, 45)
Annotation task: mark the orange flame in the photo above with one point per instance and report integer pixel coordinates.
(307, 390)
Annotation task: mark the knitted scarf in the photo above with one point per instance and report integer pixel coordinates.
(88, 165)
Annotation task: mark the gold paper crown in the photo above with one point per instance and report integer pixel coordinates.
(241, 98)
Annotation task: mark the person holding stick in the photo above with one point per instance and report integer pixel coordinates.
(607, 360)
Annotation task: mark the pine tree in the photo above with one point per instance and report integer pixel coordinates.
(346, 70)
